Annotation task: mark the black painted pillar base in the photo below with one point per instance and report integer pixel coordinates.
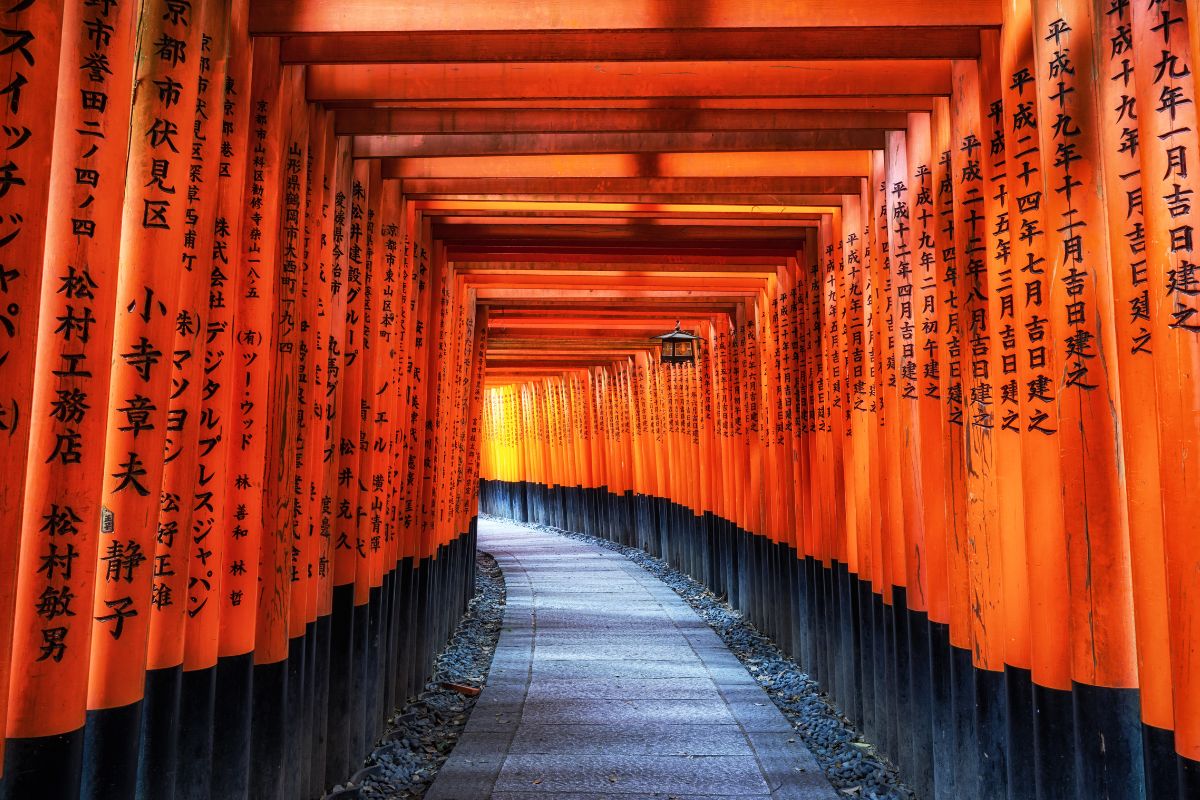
(1108, 742)
(1019, 742)
(49, 767)
(991, 734)
(920, 769)
(1162, 764)
(944, 774)
(158, 755)
(268, 730)
(320, 717)
(372, 688)
(1189, 778)
(337, 752)
(295, 729)
(110, 753)
(1053, 743)
(197, 703)
(231, 731)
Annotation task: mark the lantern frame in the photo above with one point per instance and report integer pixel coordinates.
(678, 346)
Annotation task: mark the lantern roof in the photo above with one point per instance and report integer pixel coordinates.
(677, 335)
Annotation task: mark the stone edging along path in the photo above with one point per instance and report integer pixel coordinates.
(421, 734)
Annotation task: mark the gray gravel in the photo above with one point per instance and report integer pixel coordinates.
(852, 764)
(421, 735)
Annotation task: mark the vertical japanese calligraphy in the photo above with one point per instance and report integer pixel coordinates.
(275, 326)
(66, 413)
(147, 303)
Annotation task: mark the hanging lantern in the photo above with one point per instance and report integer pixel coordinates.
(678, 347)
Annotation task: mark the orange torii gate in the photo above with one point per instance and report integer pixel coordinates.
(949, 321)
(233, 173)
(938, 440)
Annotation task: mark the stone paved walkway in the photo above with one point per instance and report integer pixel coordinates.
(605, 684)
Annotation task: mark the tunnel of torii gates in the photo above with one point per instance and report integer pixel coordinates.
(283, 281)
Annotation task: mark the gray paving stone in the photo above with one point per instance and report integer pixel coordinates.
(753, 710)
(703, 637)
(597, 578)
(600, 796)
(730, 775)
(604, 627)
(479, 745)
(603, 668)
(791, 769)
(626, 689)
(585, 651)
(592, 711)
(464, 779)
(512, 668)
(651, 738)
(604, 602)
(610, 638)
(566, 585)
(633, 625)
(606, 685)
(735, 675)
(509, 687)
(503, 700)
(498, 721)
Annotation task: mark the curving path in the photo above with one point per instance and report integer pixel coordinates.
(606, 684)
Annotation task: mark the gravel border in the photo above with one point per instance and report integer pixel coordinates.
(852, 764)
(421, 735)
